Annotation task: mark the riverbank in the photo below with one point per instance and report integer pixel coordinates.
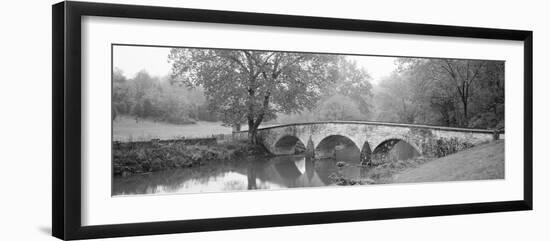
(129, 159)
(482, 162)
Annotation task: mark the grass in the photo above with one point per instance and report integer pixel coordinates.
(125, 128)
(385, 173)
(482, 162)
(382, 173)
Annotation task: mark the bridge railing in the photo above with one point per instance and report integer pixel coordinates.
(377, 123)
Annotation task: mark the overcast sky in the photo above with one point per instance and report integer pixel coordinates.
(154, 60)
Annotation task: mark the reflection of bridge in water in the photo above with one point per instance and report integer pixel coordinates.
(295, 171)
(290, 171)
(321, 138)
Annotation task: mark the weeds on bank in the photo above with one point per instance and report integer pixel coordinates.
(131, 159)
(379, 174)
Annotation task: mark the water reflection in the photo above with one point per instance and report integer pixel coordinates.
(245, 174)
(253, 173)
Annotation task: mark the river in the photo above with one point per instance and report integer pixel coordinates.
(244, 174)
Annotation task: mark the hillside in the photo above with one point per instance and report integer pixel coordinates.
(478, 163)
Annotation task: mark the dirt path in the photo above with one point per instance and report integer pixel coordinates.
(478, 163)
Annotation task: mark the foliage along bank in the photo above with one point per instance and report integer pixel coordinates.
(134, 158)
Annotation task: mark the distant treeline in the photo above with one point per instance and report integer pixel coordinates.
(157, 99)
(446, 92)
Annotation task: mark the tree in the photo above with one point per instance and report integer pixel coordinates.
(120, 97)
(113, 114)
(339, 107)
(447, 92)
(253, 85)
(463, 74)
(396, 99)
(353, 82)
(431, 95)
(352, 85)
(137, 110)
(148, 108)
(143, 84)
(488, 104)
(118, 76)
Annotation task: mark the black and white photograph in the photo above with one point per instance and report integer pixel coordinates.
(275, 120)
(197, 120)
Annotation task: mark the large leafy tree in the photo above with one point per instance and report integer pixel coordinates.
(354, 82)
(252, 86)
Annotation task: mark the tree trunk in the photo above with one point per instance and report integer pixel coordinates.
(252, 131)
(465, 104)
(254, 124)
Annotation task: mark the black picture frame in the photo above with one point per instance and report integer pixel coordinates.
(66, 127)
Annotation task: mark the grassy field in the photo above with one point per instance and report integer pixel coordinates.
(478, 163)
(126, 129)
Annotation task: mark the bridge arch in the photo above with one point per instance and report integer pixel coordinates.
(406, 149)
(378, 142)
(288, 145)
(326, 147)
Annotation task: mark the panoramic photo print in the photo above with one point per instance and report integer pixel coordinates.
(196, 120)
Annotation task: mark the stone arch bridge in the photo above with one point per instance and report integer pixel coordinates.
(369, 137)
